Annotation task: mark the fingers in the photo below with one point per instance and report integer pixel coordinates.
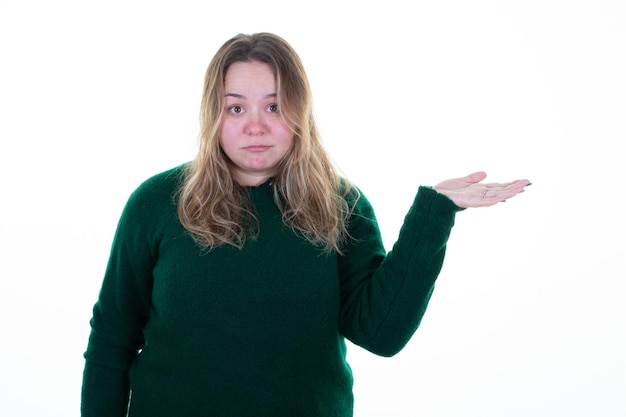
(478, 176)
(519, 184)
(496, 193)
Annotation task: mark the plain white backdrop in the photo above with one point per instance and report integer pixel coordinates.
(529, 314)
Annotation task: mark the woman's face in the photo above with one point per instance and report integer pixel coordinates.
(252, 132)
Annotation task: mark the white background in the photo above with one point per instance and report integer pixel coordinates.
(529, 314)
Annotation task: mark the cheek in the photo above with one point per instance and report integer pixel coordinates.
(285, 134)
(226, 134)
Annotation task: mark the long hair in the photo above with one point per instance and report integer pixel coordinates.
(311, 195)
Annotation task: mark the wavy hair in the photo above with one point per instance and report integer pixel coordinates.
(311, 195)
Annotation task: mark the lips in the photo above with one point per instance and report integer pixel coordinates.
(257, 148)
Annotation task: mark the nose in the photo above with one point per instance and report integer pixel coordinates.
(255, 125)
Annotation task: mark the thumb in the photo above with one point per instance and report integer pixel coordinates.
(476, 177)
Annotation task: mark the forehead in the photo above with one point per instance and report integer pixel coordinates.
(252, 75)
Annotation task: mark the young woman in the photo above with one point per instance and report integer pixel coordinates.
(234, 279)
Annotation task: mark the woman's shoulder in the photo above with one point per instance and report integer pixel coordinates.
(353, 195)
(165, 179)
(160, 187)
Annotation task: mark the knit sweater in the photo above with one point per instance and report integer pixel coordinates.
(257, 331)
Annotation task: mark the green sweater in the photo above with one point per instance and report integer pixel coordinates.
(257, 331)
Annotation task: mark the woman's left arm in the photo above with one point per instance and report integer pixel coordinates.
(384, 295)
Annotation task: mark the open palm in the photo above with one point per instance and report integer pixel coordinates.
(469, 191)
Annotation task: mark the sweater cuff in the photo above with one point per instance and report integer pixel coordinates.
(439, 201)
(429, 221)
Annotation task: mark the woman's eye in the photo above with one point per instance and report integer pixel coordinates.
(273, 108)
(235, 109)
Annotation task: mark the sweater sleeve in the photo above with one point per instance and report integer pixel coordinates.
(384, 296)
(122, 308)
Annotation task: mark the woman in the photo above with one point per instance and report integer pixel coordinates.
(234, 280)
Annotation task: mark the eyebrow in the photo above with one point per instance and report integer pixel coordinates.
(241, 96)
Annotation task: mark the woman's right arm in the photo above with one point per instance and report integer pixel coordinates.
(122, 309)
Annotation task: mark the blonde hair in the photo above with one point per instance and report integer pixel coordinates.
(307, 188)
